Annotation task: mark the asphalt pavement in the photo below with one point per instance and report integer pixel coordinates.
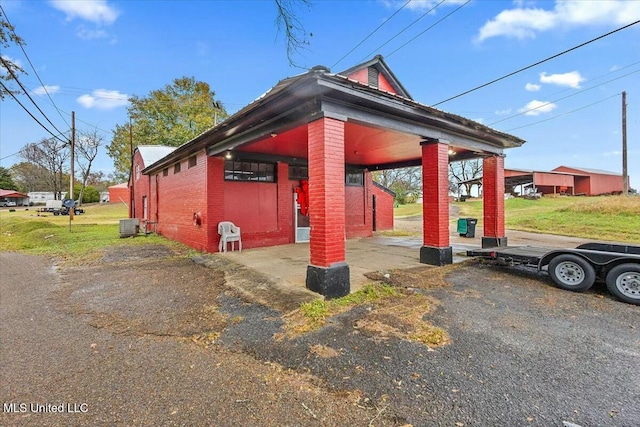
(522, 353)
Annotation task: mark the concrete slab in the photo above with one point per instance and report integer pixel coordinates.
(286, 265)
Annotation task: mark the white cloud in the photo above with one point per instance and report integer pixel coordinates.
(612, 153)
(43, 90)
(96, 11)
(424, 5)
(503, 112)
(572, 79)
(522, 23)
(103, 99)
(536, 108)
(88, 34)
(531, 87)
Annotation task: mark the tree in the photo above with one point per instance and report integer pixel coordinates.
(464, 170)
(405, 182)
(51, 156)
(6, 180)
(170, 116)
(85, 194)
(288, 22)
(29, 177)
(9, 70)
(86, 151)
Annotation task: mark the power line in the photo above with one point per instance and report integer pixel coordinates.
(563, 98)
(371, 33)
(535, 64)
(562, 115)
(403, 30)
(32, 67)
(32, 116)
(436, 23)
(26, 92)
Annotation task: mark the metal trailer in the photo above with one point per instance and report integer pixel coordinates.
(577, 269)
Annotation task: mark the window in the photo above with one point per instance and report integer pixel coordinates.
(249, 171)
(354, 177)
(193, 160)
(176, 168)
(298, 172)
(137, 171)
(165, 172)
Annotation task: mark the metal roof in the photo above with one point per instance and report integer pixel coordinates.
(152, 153)
(588, 170)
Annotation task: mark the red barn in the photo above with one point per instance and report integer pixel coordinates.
(319, 135)
(593, 182)
(119, 193)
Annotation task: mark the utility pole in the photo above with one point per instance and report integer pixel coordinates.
(132, 208)
(625, 178)
(73, 150)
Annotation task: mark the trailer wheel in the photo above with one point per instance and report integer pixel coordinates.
(572, 273)
(623, 281)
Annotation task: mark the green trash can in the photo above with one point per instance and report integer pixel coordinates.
(467, 227)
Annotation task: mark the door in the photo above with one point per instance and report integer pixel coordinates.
(301, 223)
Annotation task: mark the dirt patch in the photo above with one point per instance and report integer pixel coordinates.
(161, 296)
(252, 286)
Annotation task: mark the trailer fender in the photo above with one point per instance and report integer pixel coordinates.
(546, 259)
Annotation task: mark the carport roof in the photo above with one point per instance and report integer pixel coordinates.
(298, 100)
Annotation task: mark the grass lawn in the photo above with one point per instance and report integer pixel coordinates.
(613, 218)
(47, 234)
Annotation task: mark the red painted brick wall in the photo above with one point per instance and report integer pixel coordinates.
(180, 196)
(493, 196)
(384, 208)
(435, 194)
(326, 191)
(264, 211)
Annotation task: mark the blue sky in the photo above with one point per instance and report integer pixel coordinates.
(93, 55)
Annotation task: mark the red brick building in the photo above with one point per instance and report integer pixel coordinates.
(567, 180)
(332, 129)
(119, 193)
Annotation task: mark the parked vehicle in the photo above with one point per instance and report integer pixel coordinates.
(6, 203)
(577, 269)
(56, 207)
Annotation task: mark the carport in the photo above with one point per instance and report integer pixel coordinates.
(360, 120)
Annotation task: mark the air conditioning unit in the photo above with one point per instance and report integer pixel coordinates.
(129, 227)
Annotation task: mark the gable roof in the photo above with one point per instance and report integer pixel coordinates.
(152, 153)
(297, 100)
(588, 170)
(379, 64)
(11, 193)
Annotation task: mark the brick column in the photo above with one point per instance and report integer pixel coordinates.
(328, 273)
(435, 204)
(493, 202)
(215, 201)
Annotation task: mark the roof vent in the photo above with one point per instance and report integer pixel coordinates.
(372, 77)
(320, 69)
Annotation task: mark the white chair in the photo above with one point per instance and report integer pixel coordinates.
(229, 233)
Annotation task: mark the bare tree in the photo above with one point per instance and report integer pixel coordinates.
(87, 146)
(288, 22)
(462, 172)
(51, 156)
(405, 182)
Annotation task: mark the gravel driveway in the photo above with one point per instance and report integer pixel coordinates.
(159, 340)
